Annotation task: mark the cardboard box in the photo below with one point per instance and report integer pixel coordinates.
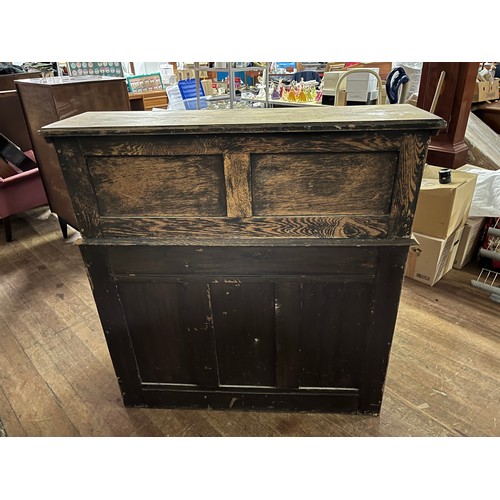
(469, 242)
(432, 258)
(486, 91)
(443, 208)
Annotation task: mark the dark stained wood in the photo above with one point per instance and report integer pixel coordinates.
(237, 174)
(407, 184)
(7, 81)
(281, 322)
(160, 346)
(334, 333)
(448, 149)
(243, 317)
(387, 289)
(489, 113)
(247, 261)
(12, 121)
(351, 183)
(114, 323)
(348, 226)
(46, 100)
(166, 186)
(287, 301)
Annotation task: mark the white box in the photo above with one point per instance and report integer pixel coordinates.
(330, 80)
(362, 96)
(469, 241)
(362, 82)
(432, 258)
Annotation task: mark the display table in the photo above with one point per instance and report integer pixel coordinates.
(247, 259)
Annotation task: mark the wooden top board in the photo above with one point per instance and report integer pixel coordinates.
(320, 119)
(65, 80)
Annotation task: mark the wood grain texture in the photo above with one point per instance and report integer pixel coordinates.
(255, 143)
(341, 226)
(323, 184)
(329, 118)
(237, 177)
(151, 186)
(407, 184)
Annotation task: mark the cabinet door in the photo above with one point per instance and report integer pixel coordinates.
(247, 332)
(171, 331)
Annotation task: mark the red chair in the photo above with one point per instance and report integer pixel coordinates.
(20, 192)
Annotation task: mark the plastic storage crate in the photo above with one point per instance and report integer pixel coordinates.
(187, 89)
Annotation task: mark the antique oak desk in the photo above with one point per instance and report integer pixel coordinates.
(247, 259)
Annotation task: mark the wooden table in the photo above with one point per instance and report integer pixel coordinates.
(247, 259)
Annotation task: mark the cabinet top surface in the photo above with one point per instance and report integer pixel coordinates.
(65, 80)
(318, 119)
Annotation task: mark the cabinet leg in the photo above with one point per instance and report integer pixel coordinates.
(7, 228)
(64, 226)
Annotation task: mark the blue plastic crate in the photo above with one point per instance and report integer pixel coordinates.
(187, 88)
(193, 104)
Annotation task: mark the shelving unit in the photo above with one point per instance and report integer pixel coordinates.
(489, 280)
(232, 69)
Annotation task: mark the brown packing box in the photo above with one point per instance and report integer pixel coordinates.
(486, 91)
(469, 242)
(432, 258)
(443, 208)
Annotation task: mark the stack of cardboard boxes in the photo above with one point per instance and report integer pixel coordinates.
(445, 235)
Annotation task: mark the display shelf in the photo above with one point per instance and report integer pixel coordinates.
(231, 70)
(489, 279)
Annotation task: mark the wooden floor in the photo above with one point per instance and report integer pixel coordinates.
(56, 377)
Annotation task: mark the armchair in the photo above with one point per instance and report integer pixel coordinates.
(19, 192)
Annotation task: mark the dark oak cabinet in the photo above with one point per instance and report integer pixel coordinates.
(251, 259)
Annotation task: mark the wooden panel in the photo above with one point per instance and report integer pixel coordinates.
(386, 293)
(161, 347)
(323, 184)
(113, 323)
(237, 174)
(195, 314)
(288, 305)
(353, 227)
(243, 316)
(242, 261)
(255, 143)
(407, 184)
(153, 186)
(333, 333)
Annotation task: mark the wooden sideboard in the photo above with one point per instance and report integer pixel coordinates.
(45, 100)
(248, 259)
(146, 101)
